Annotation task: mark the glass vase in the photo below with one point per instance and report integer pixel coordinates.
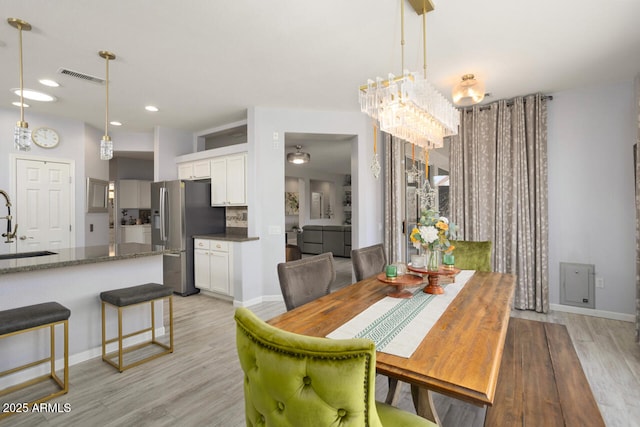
(433, 260)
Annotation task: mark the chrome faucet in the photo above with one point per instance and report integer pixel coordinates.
(9, 235)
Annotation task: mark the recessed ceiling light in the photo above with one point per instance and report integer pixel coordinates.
(49, 83)
(34, 95)
(116, 123)
(17, 104)
(151, 108)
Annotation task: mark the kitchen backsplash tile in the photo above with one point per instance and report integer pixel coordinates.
(236, 216)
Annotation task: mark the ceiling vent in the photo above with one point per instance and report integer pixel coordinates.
(81, 76)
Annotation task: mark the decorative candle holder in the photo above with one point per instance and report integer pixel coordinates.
(391, 271)
(448, 260)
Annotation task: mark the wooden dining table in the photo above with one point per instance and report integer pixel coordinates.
(460, 356)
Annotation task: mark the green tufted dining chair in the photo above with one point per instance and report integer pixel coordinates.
(472, 255)
(292, 380)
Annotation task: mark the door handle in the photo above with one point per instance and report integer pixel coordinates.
(173, 255)
(163, 236)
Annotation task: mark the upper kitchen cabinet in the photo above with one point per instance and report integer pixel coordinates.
(134, 194)
(200, 169)
(229, 180)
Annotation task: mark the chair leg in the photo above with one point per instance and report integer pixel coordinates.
(394, 392)
(171, 323)
(66, 356)
(120, 356)
(52, 354)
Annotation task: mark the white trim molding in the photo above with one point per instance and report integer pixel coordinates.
(593, 312)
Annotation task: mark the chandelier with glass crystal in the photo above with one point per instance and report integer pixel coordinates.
(409, 107)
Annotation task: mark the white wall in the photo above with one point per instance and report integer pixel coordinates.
(167, 145)
(591, 133)
(266, 182)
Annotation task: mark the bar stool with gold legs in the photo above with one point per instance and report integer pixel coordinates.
(29, 319)
(128, 297)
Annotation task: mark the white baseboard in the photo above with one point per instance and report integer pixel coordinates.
(264, 298)
(593, 312)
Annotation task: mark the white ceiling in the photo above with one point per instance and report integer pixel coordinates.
(203, 62)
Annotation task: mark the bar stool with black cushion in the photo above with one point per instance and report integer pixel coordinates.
(368, 261)
(129, 297)
(306, 279)
(32, 318)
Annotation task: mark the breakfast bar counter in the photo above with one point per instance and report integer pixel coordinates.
(77, 256)
(74, 278)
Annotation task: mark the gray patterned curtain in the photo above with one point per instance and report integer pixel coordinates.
(637, 176)
(499, 190)
(393, 193)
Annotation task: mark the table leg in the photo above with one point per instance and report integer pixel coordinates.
(423, 402)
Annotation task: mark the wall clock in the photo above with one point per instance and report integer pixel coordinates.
(45, 137)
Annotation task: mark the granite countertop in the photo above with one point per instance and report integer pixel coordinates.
(230, 237)
(77, 256)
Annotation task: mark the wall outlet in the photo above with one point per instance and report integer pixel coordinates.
(275, 229)
(599, 282)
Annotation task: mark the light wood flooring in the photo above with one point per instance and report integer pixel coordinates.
(200, 384)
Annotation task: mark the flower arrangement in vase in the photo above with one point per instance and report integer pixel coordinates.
(432, 234)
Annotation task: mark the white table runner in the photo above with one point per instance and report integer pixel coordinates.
(397, 326)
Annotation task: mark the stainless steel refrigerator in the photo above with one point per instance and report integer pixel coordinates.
(180, 210)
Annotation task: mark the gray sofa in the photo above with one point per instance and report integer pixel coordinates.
(317, 239)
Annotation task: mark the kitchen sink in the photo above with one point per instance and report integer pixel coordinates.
(26, 255)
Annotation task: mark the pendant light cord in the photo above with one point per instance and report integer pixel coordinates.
(21, 79)
(402, 34)
(424, 36)
(106, 116)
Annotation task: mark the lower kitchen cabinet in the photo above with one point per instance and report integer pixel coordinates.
(213, 261)
(136, 234)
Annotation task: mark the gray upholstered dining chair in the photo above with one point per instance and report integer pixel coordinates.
(306, 279)
(368, 261)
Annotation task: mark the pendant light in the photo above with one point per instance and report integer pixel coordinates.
(106, 145)
(298, 157)
(21, 134)
(467, 92)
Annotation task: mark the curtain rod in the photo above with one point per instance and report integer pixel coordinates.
(509, 103)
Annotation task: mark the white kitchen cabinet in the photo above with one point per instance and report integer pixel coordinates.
(136, 234)
(229, 180)
(144, 194)
(212, 266)
(200, 169)
(134, 194)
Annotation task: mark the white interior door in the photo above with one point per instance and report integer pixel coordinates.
(43, 214)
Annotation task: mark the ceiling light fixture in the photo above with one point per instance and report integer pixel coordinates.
(48, 82)
(409, 107)
(18, 104)
(151, 108)
(468, 91)
(115, 123)
(34, 95)
(106, 145)
(21, 133)
(298, 157)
